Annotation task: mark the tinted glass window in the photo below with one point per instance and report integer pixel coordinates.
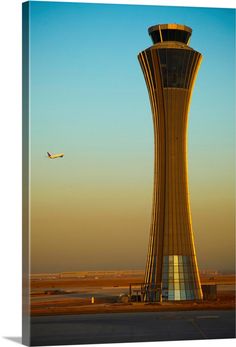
(175, 35)
(155, 35)
(175, 67)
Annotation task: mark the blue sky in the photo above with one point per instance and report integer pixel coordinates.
(81, 50)
(89, 100)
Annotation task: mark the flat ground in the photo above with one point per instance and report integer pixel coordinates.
(71, 293)
(132, 327)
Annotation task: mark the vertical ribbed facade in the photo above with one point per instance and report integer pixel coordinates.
(170, 67)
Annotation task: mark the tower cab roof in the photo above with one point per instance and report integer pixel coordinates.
(170, 32)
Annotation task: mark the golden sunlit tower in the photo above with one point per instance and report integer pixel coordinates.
(170, 67)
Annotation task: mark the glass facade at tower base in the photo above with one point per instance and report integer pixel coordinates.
(178, 281)
(179, 278)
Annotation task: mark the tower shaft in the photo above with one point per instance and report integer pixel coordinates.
(170, 68)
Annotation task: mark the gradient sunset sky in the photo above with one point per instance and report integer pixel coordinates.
(91, 210)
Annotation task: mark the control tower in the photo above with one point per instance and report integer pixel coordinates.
(170, 68)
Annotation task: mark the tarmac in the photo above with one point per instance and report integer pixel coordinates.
(132, 327)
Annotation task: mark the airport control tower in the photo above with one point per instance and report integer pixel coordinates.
(170, 68)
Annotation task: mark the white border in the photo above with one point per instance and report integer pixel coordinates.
(10, 163)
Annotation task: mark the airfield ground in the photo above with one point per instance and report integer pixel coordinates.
(72, 293)
(132, 327)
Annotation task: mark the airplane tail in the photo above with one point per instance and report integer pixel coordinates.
(49, 154)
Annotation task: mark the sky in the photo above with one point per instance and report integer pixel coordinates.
(91, 210)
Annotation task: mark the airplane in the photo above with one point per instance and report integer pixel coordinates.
(54, 156)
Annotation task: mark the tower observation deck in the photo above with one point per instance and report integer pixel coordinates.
(170, 68)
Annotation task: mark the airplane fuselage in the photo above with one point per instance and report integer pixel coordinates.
(54, 156)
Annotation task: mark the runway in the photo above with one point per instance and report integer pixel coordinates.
(132, 327)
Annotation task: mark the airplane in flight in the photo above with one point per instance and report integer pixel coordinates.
(54, 156)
